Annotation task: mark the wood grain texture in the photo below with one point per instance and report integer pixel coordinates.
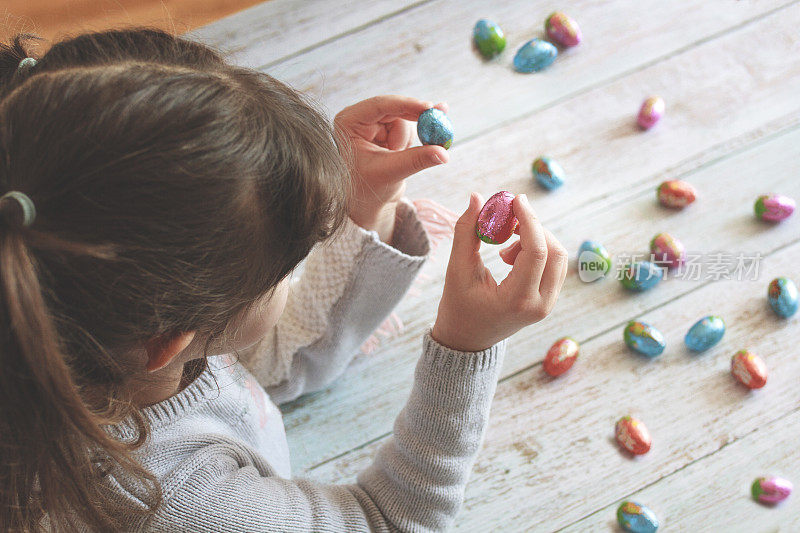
(427, 54)
(613, 171)
(275, 30)
(715, 491)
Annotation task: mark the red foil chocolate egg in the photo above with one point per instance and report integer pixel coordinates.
(676, 194)
(496, 221)
(749, 369)
(561, 356)
(633, 435)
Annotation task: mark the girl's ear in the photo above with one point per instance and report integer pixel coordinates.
(164, 348)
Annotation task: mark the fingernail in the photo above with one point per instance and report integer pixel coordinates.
(436, 159)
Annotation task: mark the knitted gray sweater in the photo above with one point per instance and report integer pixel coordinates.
(219, 447)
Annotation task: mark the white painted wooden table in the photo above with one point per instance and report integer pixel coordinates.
(730, 74)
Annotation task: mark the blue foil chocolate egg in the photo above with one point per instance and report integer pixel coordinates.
(636, 518)
(594, 261)
(488, 38)
(535, 55)
(548, 173)
(433, 127)
(782, 294)
(705, 333)
(644, 339)
(641, 276)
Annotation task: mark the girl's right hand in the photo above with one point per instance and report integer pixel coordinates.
(475, 312)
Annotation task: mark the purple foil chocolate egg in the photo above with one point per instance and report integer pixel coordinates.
(496, 221)
(563, 30)
(774, 207)
(651, 112)
(771, 489)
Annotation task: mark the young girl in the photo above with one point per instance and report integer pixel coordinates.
(154, 202)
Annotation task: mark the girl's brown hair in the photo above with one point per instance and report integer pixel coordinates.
(172, 192)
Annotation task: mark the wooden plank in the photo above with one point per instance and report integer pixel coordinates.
(278, 29)
(758, 90)
(429, 54)
(549, 456)
(714, 492)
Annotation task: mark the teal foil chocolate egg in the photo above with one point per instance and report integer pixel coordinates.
(548, 173)
(644, 339)
(594, 262)
(488, 38)
(705, 333)
(433, 127)
(641, 276)
(782, 295)
(535, 55)
(636, 518)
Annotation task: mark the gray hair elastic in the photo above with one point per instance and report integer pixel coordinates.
(24, 201)
(26, 63)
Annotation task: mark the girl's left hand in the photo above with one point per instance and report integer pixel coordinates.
(381, 130)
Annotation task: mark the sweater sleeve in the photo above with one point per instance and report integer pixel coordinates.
(415, 483)
(348, 286)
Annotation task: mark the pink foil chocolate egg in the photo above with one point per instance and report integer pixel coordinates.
(676, 194)
(774, 207)
(496, 221)
(632, 435)
(771, 489)
(563, 30)
(667, 251)
(651, 112)
(749, 369)
(561, 356)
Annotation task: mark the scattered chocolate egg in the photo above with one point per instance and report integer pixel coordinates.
(496, 221)
(632, 435)
(771, 489)
(644, 339)
(641, 276)
(433, 127)
(535, 55)
(489, 38)
(749, 369)
(774, 207)
(563, 30)
(705, 333)
(651, 112)
(548, 173)
(594, 262)
(676, 194)
(636, 518)
(561, 356)
(782, 295)
(667, 251)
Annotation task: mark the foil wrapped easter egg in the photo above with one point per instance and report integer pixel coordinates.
(771, 489)
(496, 221)
(548, 173)
(561, 356)
(705, 333)
(641, 275)
(636, 518)
(632, 435)
(774, 207)
(651, 112)
(594, 261)
(488, 38)
(667, 251)
(535, 55)
(782, 295)
(644, 339)
(563, 30)
(676, 194)
(749, 369)
(433, 127)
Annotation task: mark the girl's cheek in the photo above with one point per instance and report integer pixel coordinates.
(262, 318)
